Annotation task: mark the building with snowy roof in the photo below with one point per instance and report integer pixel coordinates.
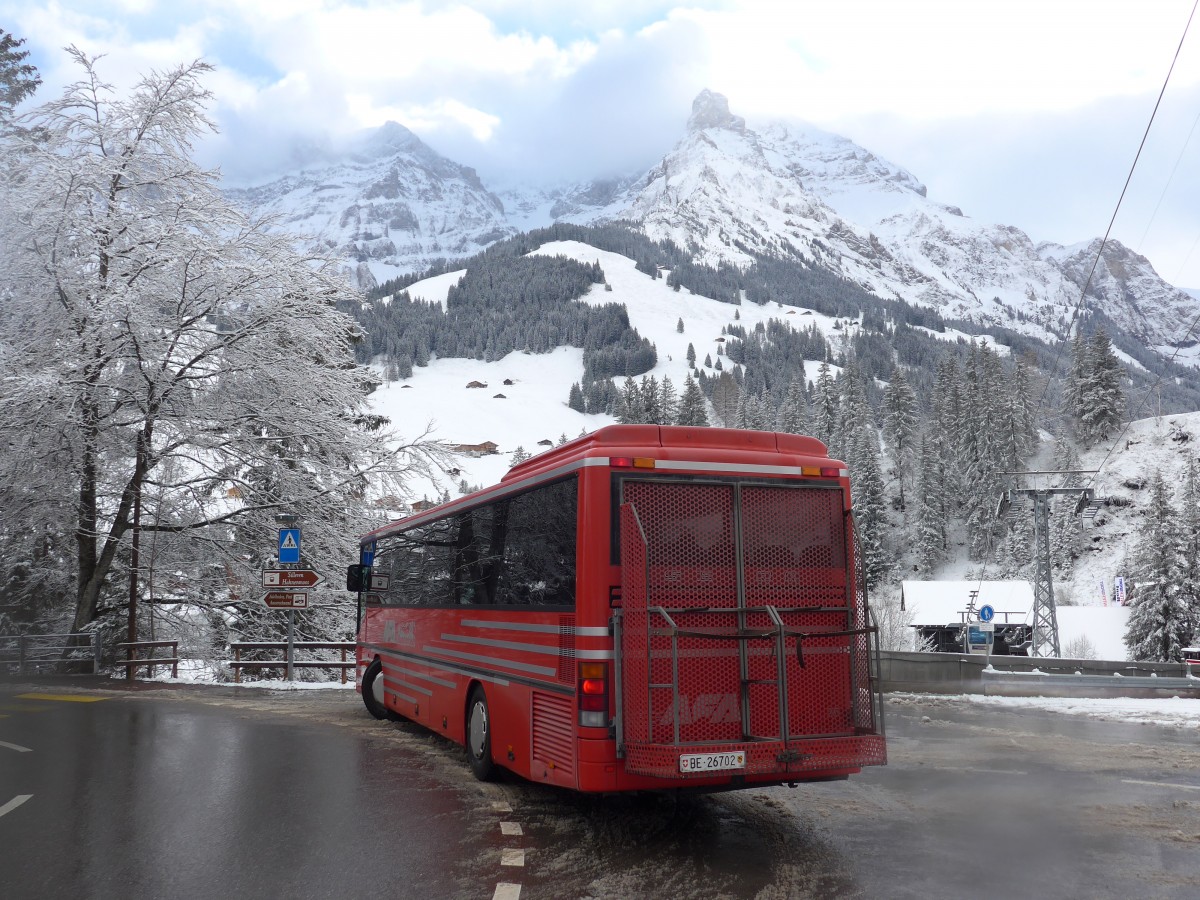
(942, 609)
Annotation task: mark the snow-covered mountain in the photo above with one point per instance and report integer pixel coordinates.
(391, 204)
(732, 192)
(793, 190)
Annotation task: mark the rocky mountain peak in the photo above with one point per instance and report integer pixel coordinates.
(711, 110)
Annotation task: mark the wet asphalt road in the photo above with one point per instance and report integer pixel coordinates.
(216, 792)
(139, 797)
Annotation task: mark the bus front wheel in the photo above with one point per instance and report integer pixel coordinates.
(479, 736)
(372, 690)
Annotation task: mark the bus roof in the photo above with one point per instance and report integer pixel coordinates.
(677, 442)
(661, 442)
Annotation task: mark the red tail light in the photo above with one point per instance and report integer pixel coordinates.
(593, 694)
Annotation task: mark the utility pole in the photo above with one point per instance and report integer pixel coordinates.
(1044, 640)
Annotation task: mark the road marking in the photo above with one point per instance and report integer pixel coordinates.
(61, 698)
(500, 806)
(16, 747)
(1180, 787)
(512, 857)
(14, 803)
(507, 891)
(978, 771)
(511, 828)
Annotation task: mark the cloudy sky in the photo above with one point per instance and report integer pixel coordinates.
(1025, 112)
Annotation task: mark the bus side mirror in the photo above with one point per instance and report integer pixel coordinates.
(357, 577)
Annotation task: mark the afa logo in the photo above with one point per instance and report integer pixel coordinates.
(399, 633)
(716, 709)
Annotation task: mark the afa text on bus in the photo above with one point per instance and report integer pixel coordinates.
(643, 608)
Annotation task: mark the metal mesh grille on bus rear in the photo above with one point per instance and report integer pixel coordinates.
(679, 545)
(794, 547)
(692, 567)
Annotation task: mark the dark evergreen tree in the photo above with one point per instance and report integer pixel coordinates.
(900, 427)
(691, 407)
(18, 79)
(575, 400)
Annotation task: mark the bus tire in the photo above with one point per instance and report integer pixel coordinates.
(372, 690)
(479, 736)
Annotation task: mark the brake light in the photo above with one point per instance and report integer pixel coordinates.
(832, 472)
(593, 694)
(631, 462)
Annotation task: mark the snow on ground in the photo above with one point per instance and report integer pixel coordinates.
(534, 408)
(1177, 712)
(435, 289)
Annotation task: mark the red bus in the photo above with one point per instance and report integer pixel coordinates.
(644, 608)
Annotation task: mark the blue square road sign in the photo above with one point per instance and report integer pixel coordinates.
(289, 545)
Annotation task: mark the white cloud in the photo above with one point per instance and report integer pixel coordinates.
(1023, 111)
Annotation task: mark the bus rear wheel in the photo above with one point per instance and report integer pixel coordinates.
(372, 690)
(479, 736)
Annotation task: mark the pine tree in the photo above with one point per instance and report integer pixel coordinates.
(900, 426)
(793, 412)
(1159, 618)
(931, 541)
(518, 456)
(668, 402)
(827, 406)
(679, 325)
(1189, 533)
(1064, 525)
(1102, 402)
(18, 79)
(691, 407)
(631, 409)
(575, 400)
(691, 356)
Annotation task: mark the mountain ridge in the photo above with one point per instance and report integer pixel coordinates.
(731, 193)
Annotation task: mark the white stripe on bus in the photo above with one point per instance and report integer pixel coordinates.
(493, 660)
(404, 684)
(502, 645)
(583, 631)
(442, 681)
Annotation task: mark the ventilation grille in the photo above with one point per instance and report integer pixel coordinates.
(553, 734)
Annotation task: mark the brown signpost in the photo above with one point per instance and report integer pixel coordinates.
(294, 579)
(286, 599)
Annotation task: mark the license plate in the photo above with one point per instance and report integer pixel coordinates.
(712, 762)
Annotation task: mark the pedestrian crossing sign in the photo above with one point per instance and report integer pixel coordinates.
(289, 545)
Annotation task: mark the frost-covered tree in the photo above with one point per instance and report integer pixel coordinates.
(1159, 617)
(176, 368)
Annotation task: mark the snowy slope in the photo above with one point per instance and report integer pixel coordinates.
(534, 407)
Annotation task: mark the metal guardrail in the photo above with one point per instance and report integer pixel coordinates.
(32, 653)
(134, 662)
(238, 664)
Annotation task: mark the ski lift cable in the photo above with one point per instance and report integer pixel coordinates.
(995, 549)
(1079, 305)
